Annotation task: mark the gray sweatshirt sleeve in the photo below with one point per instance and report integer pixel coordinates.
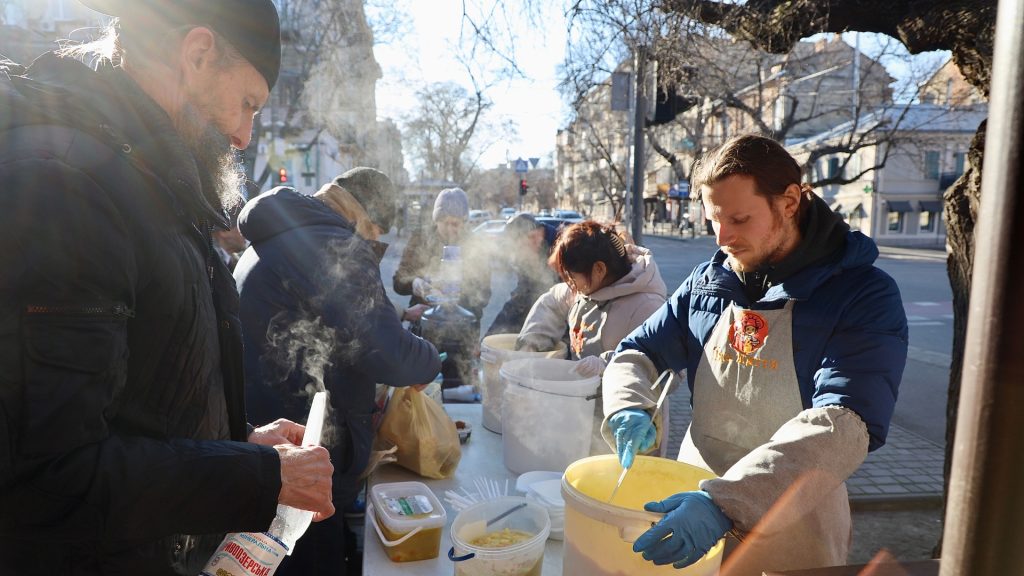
(805, 461)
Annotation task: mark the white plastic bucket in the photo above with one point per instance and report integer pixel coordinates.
(495, 350)
(524, 558)
(599, 536)
(547, 414)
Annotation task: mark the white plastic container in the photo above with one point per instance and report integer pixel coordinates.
(525, 558)
(495, 350)
(547, 414)
(409, 520)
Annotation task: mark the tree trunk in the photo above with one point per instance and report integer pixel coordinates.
(961, 206)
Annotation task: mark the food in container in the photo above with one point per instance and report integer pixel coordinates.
(408, 518)
(500, 537)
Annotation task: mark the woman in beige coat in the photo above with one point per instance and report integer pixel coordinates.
(609, 288)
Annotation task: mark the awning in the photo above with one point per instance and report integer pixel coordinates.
(858, 210)
(931, 206)
(899, 206)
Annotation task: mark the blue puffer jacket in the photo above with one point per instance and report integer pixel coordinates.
(849, 329)
(313, 308)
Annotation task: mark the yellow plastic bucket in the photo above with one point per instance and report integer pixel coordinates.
(599, 536)
(495, 350)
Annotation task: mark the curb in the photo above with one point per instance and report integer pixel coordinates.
(875, 503)
(679, 238)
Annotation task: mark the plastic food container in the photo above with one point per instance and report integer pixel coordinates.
(524, 557)
(495, 350)
(408, 518)
(548, 391)
(599, 536)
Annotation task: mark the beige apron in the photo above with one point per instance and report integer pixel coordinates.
(745, 389)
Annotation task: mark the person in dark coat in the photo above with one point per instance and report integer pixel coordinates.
(122, 416)
(419, 269)
(530, 243)
(315, 314)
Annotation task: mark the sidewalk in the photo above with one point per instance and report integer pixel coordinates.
(901, 253)
(905, 473)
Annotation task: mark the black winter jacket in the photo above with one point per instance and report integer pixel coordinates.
(120, 370)
(314, 312)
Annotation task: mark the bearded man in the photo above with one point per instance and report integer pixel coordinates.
(793, 345)
(123, 437)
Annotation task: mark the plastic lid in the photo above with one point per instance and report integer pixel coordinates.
(526, 479)
(403, 506)
(549, 492)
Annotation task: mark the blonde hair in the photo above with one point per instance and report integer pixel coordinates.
(345, 204)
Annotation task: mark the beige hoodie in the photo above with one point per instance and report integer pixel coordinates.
(598, 322)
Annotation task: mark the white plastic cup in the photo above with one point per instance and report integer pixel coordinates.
(524, 558)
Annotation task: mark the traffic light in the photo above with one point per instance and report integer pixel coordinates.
(282, 176)
(523, 187)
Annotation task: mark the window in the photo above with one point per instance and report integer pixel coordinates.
(895, 221)
(931, 164)
(834, 168)
(927, 222)
(958, 159)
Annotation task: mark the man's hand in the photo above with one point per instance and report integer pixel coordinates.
(692, 525)
(414, 313)
(279, 431)
(306, 479)
(634, 432)
(422, 288)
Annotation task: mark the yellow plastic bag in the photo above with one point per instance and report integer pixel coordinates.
(427, 440)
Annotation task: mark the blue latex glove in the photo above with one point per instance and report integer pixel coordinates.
(692, 525)
(634, 432)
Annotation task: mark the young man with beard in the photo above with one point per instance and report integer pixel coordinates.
(793, 344)
(122, 421)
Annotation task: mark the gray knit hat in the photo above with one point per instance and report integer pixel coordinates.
(451, 202)
(374, 191)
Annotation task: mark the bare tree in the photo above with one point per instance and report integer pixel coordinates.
(440, 131)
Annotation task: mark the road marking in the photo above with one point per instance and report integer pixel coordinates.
(926, 303)
(940, 359)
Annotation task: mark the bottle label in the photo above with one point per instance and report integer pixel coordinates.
(246, 554)
(409, 505)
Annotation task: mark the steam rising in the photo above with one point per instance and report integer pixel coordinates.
(299, 339)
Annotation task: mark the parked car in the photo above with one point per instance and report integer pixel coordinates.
(477, 216)
(490, 227)
(507, 213)
(568, 215)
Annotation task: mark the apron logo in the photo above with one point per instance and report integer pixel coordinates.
(579, 336)
(747, 332)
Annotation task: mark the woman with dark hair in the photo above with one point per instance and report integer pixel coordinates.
(609, 288)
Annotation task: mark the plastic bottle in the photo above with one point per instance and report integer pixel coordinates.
(463, 393)
(260, 553)
(451, 273)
